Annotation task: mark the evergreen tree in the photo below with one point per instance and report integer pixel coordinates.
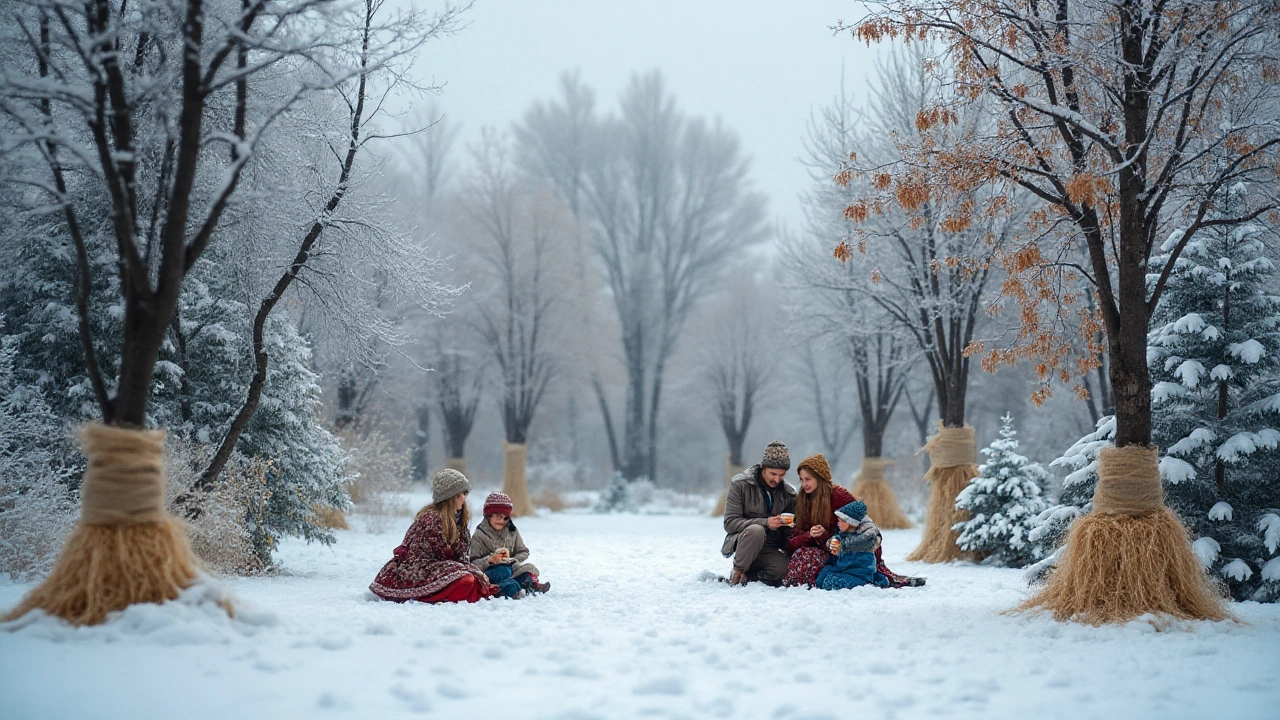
(200, 383)
(1215, 363)
(1003, 503)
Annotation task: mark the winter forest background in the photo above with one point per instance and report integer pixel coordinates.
(596, 289)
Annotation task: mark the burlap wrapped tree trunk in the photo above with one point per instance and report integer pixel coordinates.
(1130, 555)
(730, 471)
(953, 456)
(870, 487)
(127, 548)
(514, 484)
(457, 463)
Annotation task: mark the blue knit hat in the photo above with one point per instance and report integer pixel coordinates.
(853, 512)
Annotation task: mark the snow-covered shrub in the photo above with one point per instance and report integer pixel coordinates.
(1214, 354)
(379, 472)
(1003, 503)
(618, 496)
(217, 519)
(38, 508)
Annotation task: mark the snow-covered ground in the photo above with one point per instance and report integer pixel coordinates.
(630, 631)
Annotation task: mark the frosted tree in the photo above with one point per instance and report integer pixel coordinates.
(1125, 119)
(199, 386)
(37, 501)
(1003, 503)
(518, 248)
(1215, 363)
(928, 268)
(665, 199)
(737, 365)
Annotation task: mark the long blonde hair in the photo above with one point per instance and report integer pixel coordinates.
(448, 521)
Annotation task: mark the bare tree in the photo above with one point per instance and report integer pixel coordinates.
(1126, 118)
(738, 362)
(824, 372)
(518, 242)
(664, 198)
(379, 49)
(121, 108)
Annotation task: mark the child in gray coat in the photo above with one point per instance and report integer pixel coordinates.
(498, 550)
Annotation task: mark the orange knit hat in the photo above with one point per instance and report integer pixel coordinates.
(817, 464)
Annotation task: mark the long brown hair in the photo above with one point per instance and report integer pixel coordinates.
(813, 508)
(448, 522)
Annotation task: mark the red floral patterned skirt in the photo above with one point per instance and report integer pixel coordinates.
(807, 562)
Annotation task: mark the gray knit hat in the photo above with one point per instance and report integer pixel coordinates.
(447, 483)
(776, 456)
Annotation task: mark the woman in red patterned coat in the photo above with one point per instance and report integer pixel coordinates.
(816, 503)
(432, 565)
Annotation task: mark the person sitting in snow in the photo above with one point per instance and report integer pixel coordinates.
(498, 550)
(755, 534)
(853, 560)
(433, 563)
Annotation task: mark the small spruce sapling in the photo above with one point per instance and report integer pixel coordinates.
(1003, 503)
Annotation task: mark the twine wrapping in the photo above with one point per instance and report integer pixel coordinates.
(124, 484)
(952, 447)
(126, 549)
(457, 463)
(514, 481)
(872, 469)
(1128, 482)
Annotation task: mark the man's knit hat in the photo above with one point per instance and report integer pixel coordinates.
(853, 512)
(498, 504)
(447, 483)
(776, 456)
(816, 464)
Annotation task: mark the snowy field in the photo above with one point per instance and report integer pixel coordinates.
(629, 631)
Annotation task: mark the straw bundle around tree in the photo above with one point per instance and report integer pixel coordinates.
(1130, 556)
(730, 472)
(457, 463)
(127, 548)
(514, 482)
(953, 456)
(870, 486)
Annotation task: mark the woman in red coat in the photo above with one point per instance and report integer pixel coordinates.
(815, 523)
(432, 565)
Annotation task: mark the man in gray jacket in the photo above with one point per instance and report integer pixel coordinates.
(756, 537)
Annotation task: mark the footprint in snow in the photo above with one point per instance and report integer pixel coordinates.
(671, 685)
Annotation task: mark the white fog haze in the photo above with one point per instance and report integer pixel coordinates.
(639, 359)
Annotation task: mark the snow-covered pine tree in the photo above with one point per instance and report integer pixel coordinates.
(1003, 503)
(1214, 353)
(200, 383)
(38, 507)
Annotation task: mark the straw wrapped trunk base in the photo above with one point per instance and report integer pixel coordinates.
(1115, 568)
(938, 542)
(730, 471)
(102, 569)
(882, 504)
(457, 463)
(514, 482)
(329, 517)
(870, 487)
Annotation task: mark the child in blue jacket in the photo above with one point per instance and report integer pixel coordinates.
(853, 561)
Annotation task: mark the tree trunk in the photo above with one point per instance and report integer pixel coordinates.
(421, 443)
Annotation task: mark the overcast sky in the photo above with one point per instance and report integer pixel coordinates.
(760, 65)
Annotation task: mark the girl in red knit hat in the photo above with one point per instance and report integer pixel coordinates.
(498, 550)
